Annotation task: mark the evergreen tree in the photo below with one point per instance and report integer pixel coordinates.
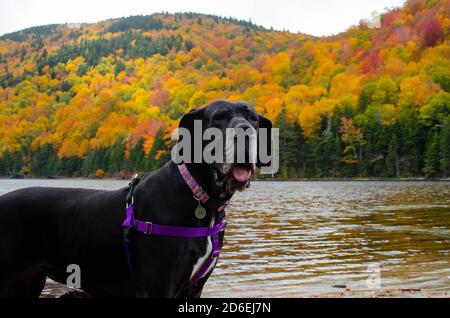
(159, 154)
(6, 163)
(44, 162)
(329, 150)
(136, 158)
(98, 161)
(431, 168)
(70, 167)
(413, 140)
(17, 163)
(116, 157)
(291, 145)
(300, 150)
(119, 67)
(105, 159)
(88, 164)
(284, 151)
(313, 155)
(392, 158)
(445, 148)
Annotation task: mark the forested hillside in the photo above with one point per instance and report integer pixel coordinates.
(102, 99)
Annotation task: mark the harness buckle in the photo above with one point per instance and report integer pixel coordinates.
(197, 192)
(148, 228)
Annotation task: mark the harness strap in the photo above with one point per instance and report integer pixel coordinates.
(203, 270)
(126, 246)
(128, 221)
(193, 184)
(149, 228)
(198, 191)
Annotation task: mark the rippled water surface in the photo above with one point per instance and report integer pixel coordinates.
(302, 238)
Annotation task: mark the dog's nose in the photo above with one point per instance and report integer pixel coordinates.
(244, 126)
(243, 129)
(244, 139)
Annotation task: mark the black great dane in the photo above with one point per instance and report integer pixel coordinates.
(44, 230)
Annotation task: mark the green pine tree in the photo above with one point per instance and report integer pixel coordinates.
(136, 158)
(44, 162)
(116, 157)
(392, 158)
(159, 154)
(445, 148)
(291, 145)
(432, 154)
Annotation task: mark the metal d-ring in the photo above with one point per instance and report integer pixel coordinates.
(132, 201)
(195, 197)
(151, 228)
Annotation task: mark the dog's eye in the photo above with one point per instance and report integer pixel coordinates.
(253, 117)
(221, 116)
(250, 115)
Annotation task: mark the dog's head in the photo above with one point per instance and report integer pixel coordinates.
(237, 153)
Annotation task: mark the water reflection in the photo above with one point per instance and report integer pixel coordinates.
(301, 238)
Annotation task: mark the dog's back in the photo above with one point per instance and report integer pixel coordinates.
(47, 228)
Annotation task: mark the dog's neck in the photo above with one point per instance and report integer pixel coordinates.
(176, 201)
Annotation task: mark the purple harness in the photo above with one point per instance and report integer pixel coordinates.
(149, 228)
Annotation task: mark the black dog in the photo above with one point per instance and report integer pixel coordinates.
(43, 230)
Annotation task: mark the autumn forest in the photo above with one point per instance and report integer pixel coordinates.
(95, 100)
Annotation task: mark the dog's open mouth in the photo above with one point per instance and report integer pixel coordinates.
(242, 173)
(239, 177)
(236, 177)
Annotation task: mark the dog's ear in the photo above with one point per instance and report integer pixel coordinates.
(264, 138)
(187, 121)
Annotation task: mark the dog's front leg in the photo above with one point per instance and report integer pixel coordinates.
(167, 289)
(157, 291)
(196, 291)
(152, 293)
(152, 286)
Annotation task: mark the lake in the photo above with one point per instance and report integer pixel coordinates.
(325, 238)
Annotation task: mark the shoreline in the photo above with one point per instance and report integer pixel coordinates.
(255, 179)
(56, 290)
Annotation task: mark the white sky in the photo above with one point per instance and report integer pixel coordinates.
(316, 17)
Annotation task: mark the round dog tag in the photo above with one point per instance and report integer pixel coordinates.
(200, 212)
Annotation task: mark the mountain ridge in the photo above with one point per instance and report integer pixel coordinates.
(104, 96)
(116, 19)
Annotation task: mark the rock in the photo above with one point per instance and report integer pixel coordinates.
(340, 286)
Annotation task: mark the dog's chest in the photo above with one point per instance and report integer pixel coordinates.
(202, 259)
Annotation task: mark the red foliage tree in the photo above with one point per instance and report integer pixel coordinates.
(432, 32)
(371, 61)
(160, 98)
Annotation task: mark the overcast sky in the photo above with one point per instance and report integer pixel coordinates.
(316, 17)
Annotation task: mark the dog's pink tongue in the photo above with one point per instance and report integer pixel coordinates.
(241, 174)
